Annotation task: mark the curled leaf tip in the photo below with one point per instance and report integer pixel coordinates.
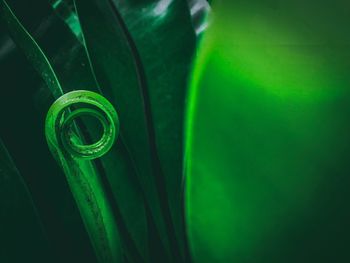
(60, 118)
(73, 155)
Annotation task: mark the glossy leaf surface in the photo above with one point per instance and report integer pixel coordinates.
(147, 68)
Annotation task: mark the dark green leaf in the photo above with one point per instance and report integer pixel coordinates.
(22, 237)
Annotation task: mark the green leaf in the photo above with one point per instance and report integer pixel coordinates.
(141, 53)
(22, 130)
(166, 50)
(268, 134)
(74, 158)
(40, 62)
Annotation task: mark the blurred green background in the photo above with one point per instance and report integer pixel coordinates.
(268, 134)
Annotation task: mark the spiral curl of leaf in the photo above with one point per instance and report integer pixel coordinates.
(59, 127)
(66, 145)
